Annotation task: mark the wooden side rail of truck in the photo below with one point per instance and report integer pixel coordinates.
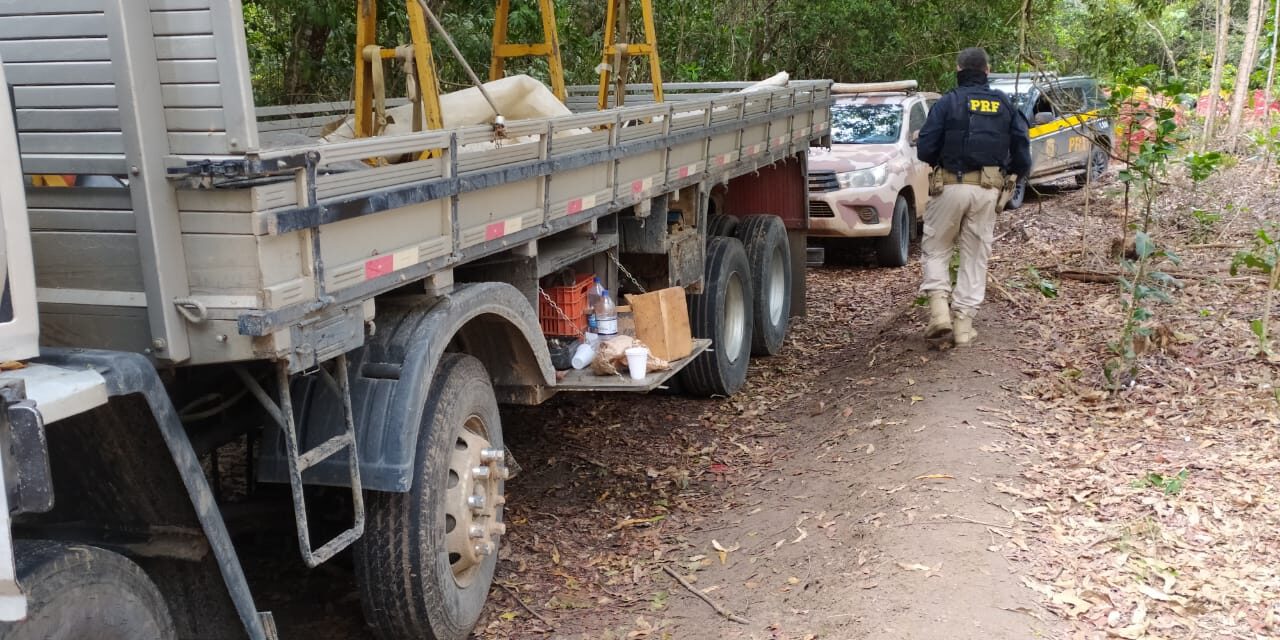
(340, 324)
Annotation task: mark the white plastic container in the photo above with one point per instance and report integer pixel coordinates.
(638, 362)
(583, 355)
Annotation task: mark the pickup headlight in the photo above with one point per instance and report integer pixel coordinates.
(872, 177)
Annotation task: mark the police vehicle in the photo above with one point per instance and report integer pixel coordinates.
(1070, 133)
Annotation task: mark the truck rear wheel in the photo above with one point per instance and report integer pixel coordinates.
(427, 558)
(721, 226)
(76, 591)
(722, 312)
(769, 253)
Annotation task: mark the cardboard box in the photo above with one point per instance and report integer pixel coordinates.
(662, 323)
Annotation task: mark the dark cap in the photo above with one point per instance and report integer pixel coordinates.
(973, 58)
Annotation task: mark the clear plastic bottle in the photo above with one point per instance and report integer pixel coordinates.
(606, 315)
(593, 298)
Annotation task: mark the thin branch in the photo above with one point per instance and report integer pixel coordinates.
(525, 606)
(702, 596)
(958, 520)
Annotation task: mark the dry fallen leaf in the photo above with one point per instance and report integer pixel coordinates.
(724, 551)
(914, 567)
(935, 476)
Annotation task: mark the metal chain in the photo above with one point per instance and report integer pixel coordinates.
(565, 316)
(625, 272)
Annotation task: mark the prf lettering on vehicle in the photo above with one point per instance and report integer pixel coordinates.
(984, 106)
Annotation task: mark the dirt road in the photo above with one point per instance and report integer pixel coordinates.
(852, 490)
(862, 486)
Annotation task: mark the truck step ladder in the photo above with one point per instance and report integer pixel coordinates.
(549, 48)
(618, 51)
(299, 461)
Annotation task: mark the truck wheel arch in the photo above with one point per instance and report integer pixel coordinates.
(391, 375)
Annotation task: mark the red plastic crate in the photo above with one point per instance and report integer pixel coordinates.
(573, 301)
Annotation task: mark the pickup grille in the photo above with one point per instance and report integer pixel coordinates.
(820, 209)
(823, 181)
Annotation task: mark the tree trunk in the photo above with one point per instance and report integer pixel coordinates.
(1248, 58)
(1269, 94)
(1164, 44)
(1219, 62)
(302, 65)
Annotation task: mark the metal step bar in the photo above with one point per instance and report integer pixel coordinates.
(299, 461)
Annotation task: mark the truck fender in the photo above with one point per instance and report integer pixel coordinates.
(391, 374)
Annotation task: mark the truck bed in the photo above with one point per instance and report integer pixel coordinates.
(221, 250)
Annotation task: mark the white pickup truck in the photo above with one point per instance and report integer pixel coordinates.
(330, 322)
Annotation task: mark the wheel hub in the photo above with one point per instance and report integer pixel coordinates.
(473, 501)
(735, 329)
(777, 286)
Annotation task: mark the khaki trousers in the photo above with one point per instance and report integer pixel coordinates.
(967, 213)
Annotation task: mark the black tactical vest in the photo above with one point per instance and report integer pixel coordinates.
(977, 130)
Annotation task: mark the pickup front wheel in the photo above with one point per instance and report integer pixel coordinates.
(426, 561)
(894, 249)
(1019, 195)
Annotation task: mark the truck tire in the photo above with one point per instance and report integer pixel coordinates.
(722, 312)
(76, 591)
(721, 226)
(419, 572)
(893, 250)
(769, 253)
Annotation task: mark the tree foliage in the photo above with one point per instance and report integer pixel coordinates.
(303, 51)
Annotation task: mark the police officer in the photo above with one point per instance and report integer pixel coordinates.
(978, 145)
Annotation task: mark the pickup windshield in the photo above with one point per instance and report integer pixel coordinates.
(866, 123)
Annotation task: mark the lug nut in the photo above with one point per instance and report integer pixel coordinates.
(504, 473)
(480, 473)
(498, 501)
(475, 502)
(484, 548)
(499, 528)
(476, 531)
(491, 455)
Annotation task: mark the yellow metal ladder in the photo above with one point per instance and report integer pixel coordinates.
(370, 86)
(618, 51)
(549, 48)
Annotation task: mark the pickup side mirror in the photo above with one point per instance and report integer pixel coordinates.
(914, 138)
(1044, 117)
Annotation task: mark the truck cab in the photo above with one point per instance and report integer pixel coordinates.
(32, 394)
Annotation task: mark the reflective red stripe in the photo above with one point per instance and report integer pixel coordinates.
(379, 266)
(495, 231)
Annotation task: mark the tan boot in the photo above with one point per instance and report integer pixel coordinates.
(964, 334)
(939, 316)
